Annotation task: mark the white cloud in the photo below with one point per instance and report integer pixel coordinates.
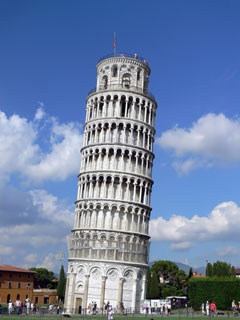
(17, 147)
(184, 233)
(47, 224)
(34, 220)
(40, 113)
(213, 139)
(181, 245)
(5, 250)
(64, 157)
(50, 262)
(227, 251)
(31, 258)
(185, 261)
(51, 208)
(55, 159)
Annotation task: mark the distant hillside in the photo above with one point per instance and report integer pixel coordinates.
(186, 268)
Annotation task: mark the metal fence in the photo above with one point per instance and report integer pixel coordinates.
(150, 313)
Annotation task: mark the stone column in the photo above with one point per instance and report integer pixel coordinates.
(124, 139)
(85, 298)
(138, 222)
(125, 222)
(120, 292)
(126, 106)
(134, 226)
(119, 189)
(138, 137)
(102, 291)
(66, 293)
(149, 141)
(112, 189)
(145, 114)
(149, 196)
(122, 161)
(146, 168)
(134, 293)
(141, 193)
(139, 111)
(144, 194)
(144, 285)
(134, 191)
(73, 291)
(128, 191)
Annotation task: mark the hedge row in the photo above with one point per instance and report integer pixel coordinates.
(220, 290)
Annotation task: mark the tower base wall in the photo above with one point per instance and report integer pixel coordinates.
(92, 283)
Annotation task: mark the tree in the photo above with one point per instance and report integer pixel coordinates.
(61, 284)
(221, 269)
(149, 278)
(154, 288)
(166, 269)
(43, 278)
(233, 272)
(209, 270)
(172, 280)
(190, 274)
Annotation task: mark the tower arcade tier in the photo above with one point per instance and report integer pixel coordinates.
(109, 245)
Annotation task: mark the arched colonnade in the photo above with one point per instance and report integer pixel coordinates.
(121, 105)
(115, 187)
(113, 131)
(124, 159)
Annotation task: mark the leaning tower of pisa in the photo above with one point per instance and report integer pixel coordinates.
(109, 243)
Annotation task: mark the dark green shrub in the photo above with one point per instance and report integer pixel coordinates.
(220, 290)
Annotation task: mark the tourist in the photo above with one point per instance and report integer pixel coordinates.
(18, 306)
(50, 308)
(213, 309)
(110, 312)
(121, 307)
(207, 308)
(32, 307)
(89, 309)
(10, 307)
(161, 309)
(203, 308)
(233, 307)
(169, 308)
(28, 305)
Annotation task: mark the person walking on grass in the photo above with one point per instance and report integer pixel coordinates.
(18, 306)
(203, 308)
(233, 307)
(213, 309)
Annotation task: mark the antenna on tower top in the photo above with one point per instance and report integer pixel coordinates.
(114, 44)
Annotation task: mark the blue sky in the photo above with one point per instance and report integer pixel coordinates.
(49, 51)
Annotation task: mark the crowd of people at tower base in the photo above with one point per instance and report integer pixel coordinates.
(107, 309)
(235, 308)
(163, 309)
(210, 309)
(30, 307)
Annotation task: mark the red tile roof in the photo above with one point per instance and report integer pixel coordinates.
(237, 270)
(6, 267)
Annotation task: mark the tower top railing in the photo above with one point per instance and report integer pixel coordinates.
(123, 55)
(122, 87)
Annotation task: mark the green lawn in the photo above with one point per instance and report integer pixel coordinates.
(117, 317)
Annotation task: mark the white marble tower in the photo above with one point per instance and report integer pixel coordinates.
(109, 244)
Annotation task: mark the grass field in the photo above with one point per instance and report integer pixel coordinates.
(116, 317)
